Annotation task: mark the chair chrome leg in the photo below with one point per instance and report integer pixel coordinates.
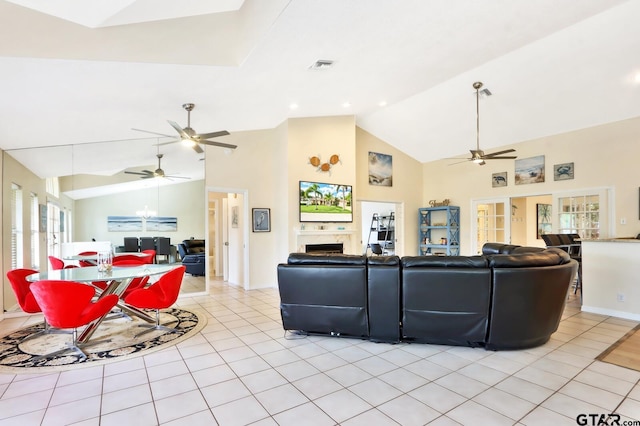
(73, 346)
(156, 326)
(47, 330)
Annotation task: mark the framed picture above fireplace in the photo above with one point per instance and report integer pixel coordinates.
(325, 202)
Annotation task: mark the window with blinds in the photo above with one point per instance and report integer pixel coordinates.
(16, 227)
(35, 232)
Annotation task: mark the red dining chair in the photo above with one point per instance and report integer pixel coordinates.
(57, 263)
(85, 263)
(150, 256)
(128, 260)
(159, 295)
(69, 304)
(22, 289)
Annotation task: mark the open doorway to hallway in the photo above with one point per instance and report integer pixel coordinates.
(226, 237)
(382, 224)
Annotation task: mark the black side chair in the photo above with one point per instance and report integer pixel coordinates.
(570, 243)
(147, 243)
(130, 244)
(163, 248)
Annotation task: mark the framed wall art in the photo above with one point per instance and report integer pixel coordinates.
(499, 179)
(563, 171)
(543, 219)
(380, 169)
(530, 170)
(261, 219)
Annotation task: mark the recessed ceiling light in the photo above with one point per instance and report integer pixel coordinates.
(382, 103)
(293, 106)
(346, 104)
(638, 77)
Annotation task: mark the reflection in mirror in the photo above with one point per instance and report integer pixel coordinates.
(86, 184)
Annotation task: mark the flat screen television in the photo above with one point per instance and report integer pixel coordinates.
(325, 202)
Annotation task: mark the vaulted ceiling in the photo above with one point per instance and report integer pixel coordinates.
(84, 71)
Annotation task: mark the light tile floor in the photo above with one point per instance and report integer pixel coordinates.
(242, 370)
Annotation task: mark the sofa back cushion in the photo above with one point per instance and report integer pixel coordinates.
(544, 257)
(325, 259)
(194, 246)
(319, 294)
(445, 300)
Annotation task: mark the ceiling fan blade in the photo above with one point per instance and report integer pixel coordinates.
(181, 132)
(167, 143)
(136, 173)
(197, 148)
(153, 133)
(211, 135)
(220, 144)
(510, 157)
(500, 152)
(459, 162)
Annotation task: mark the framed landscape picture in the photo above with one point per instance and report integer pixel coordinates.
(530, 170)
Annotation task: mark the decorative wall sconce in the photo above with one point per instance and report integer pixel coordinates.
(324, 167)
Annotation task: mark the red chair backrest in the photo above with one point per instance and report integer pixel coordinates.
(68, 304)
(128, 259)
(136, 283)
(160, 295)
(151, 254)
(85, 263)
(56, 263)
(21, 288)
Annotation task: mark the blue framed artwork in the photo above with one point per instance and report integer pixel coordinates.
(162, 223)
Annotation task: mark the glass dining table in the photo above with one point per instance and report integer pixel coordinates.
(117, 279)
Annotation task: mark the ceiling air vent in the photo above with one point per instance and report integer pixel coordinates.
(321, 64)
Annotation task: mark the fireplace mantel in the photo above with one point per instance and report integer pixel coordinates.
(325, 231)
(324, 236)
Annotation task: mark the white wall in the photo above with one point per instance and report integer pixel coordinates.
(603, 156)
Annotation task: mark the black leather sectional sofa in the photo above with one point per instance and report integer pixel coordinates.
(510, 297)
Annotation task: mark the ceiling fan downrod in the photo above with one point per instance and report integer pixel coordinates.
(477, 85)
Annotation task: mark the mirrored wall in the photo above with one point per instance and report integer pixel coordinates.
(86, 185)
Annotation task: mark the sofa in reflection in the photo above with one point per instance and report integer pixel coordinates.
(193, 256)
(510, 297)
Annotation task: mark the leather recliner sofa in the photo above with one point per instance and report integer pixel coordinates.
(193, 256)
(510, 297)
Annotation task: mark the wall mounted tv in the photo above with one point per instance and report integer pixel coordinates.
(325, 202)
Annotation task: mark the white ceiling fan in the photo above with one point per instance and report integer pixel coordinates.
(478, 156)
(190, 137)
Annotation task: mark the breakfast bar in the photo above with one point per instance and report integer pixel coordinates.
(611, 277)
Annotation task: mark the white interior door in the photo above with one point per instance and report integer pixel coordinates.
(492, 223)
(225, 239)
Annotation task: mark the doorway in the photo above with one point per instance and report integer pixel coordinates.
(386, 229)
(227, 237)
